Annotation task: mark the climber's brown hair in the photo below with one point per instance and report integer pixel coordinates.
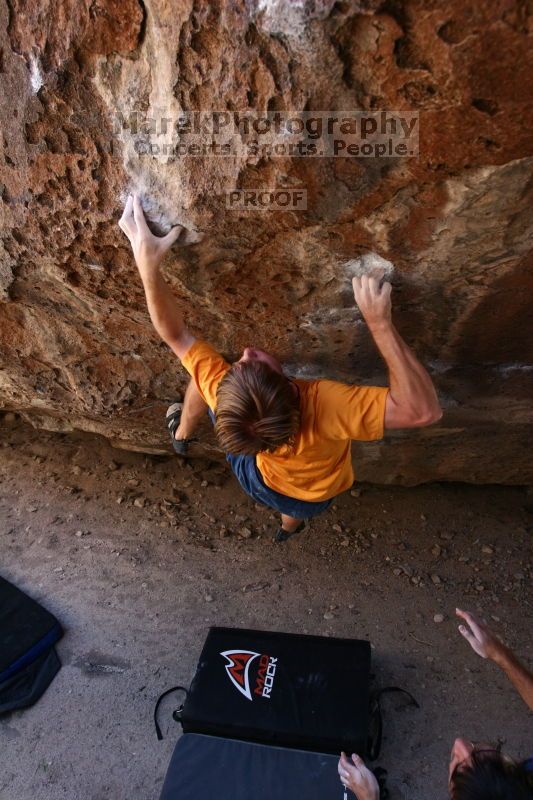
(257, 410)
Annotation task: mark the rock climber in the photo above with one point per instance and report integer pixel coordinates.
(477, 771)
(287, 440)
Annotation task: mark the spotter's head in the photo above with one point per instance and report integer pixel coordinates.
(481, 772)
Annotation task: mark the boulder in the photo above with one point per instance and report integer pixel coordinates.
(86, 87)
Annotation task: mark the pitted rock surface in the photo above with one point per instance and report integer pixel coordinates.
(77, 349)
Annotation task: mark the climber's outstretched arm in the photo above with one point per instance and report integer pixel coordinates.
(412, 400)
(149, 251)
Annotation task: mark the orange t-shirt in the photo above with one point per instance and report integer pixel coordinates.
(319, 465)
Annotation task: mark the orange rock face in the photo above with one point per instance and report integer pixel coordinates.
(76, 345)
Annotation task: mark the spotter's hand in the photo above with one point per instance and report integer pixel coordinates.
(148, 250)
(479, 636)
(357, 777)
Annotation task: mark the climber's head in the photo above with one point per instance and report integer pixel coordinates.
(257, 406)
(253, 354)
(481, 772)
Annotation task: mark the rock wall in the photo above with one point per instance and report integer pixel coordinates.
(76, 345)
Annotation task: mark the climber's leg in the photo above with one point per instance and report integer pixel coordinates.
(289, 524)
(182, 418)
(193, 409)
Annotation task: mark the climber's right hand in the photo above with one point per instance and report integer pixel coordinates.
(148, 250)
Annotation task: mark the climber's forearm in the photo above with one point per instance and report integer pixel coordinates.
(162, 307)
(412, 400)
(411, 388)
(149, 251)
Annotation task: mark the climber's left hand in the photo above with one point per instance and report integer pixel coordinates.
(374, 301)
(148, 250)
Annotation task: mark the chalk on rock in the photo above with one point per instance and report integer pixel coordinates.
(367, 264)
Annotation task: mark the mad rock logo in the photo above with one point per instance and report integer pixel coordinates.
(238, 668)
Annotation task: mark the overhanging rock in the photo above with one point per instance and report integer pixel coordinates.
(76, 346)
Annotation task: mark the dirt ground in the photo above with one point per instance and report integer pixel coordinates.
(138, 555)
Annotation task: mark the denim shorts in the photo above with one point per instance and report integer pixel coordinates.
(247, 473)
